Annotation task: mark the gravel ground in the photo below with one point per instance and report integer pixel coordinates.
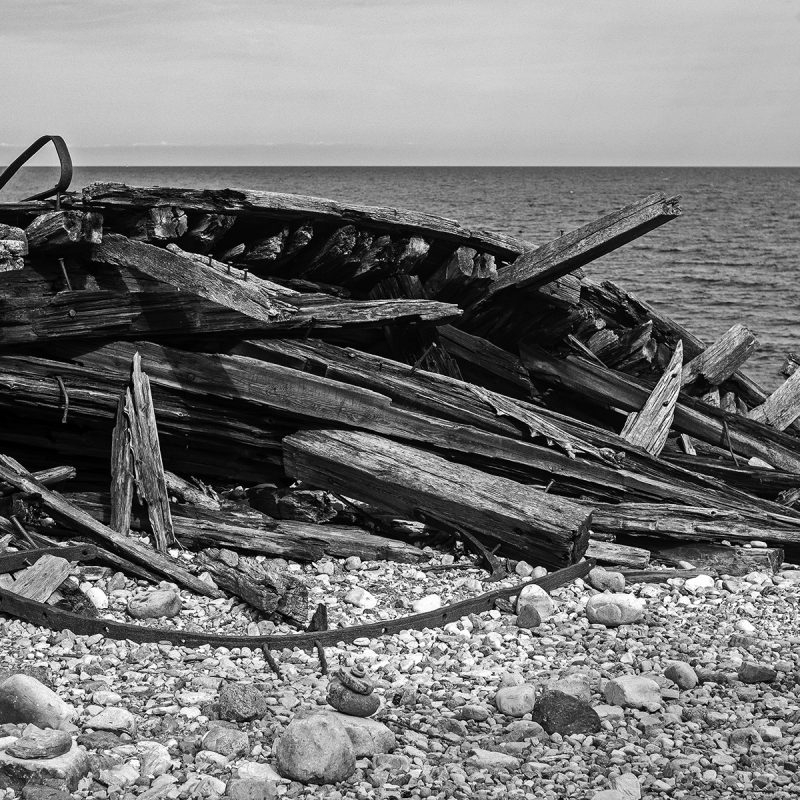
(723, 738)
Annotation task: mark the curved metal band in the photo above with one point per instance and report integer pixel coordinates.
(65, 178)
(56, 619)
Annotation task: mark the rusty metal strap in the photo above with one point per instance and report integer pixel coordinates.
(57, 619)
(64, 179)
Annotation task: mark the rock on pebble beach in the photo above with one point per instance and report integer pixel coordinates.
(40, 743)
(241, 702)
(536, 598)
(606, 580)
(230, 742)
(633, 691)
(368, 736)
(118, 720)
(613, 609)
(25, 699)
(316, 749)
(561, 713)
(681, 674)
(157, 604)
(515, 701)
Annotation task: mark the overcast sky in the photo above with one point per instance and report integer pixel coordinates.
(519, 82)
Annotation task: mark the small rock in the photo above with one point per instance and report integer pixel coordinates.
(473, 713)
(392, 763)
(154, 759)
(742, 739)
(349, 702)
(230, 742)
(528, 618)
(561, 713)
(612, 609)
(628, 785)
(633, 691)
(535, 597)
(606, 580)
(40, 743)
(352, 563)
(157, 604)
(67, 768)
(256, 771)
(521, 730)
(120, 775)
(511, 679)
(428, 603)
(539, 572)
(682, 674)
(315, 750)
(96, 596)
(745, 626)
(609, 794)
(492, 760)
(770, 733)
(246, 789)
(360, 598)
(699, 582)
(515, 701)
(24, 699)
(523, 569)
(368, 736)
(241, 702)
(575, 685)
(114, 719)
(750, 672)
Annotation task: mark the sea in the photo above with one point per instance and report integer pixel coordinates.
(734, 255)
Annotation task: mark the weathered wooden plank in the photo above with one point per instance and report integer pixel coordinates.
(690, 523)
(145, 449)
(259, 585)
(585, 244)
(83, 523)
(60, 231)
(122, 468)
(782, 407)
(49, 477)
(722, 559)
(250, 298)
(274, 205)
(42, 578)
(722, 358)
(617, 390)
(551, 530)
(650, 427)
(619, 555)
(253, 532)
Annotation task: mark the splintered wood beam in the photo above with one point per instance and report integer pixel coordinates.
(610, 389)
(618, 555)
(551, 530)
(670, 521)
(48, 477)
(148, 468)
(60, 230)
(583, 245)
(81, 522)
(782, 407)
(722, 358)
(722, 559)
(248, 297)
(292, 207)
(650, 427)
(122, 465)
(42, 578)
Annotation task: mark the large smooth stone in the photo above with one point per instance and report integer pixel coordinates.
(67, 768)
(24, 699)
(612, 609)
(368, 736)
(633, 691)
(315, 750)
(535, 597)
(118, 720)
(157, 604)
(349, 702)
(561, 713)
(40, 743)
(515, 701)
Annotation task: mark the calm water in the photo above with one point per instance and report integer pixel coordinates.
(733, 256)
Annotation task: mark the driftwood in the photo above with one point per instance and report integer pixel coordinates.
(549, 530)
(81, 522)
(266, 588)
(722, 358)
(47, 477)
(619, 555)
(122, 468)
(63, 230)
(650, 427)
(782, 407)
(39, 581)
(721, 559)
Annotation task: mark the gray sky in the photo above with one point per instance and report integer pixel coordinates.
(563, 82)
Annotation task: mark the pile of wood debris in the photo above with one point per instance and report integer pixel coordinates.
(291, 376)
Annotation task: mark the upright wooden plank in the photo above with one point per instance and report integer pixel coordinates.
(148, 468)
(122, 468)
(782, 407)
(722, 358)
(650, 427)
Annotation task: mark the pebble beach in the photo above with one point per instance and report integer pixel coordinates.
(698, 697)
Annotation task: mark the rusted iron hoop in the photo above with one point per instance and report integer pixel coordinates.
(64, 179)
